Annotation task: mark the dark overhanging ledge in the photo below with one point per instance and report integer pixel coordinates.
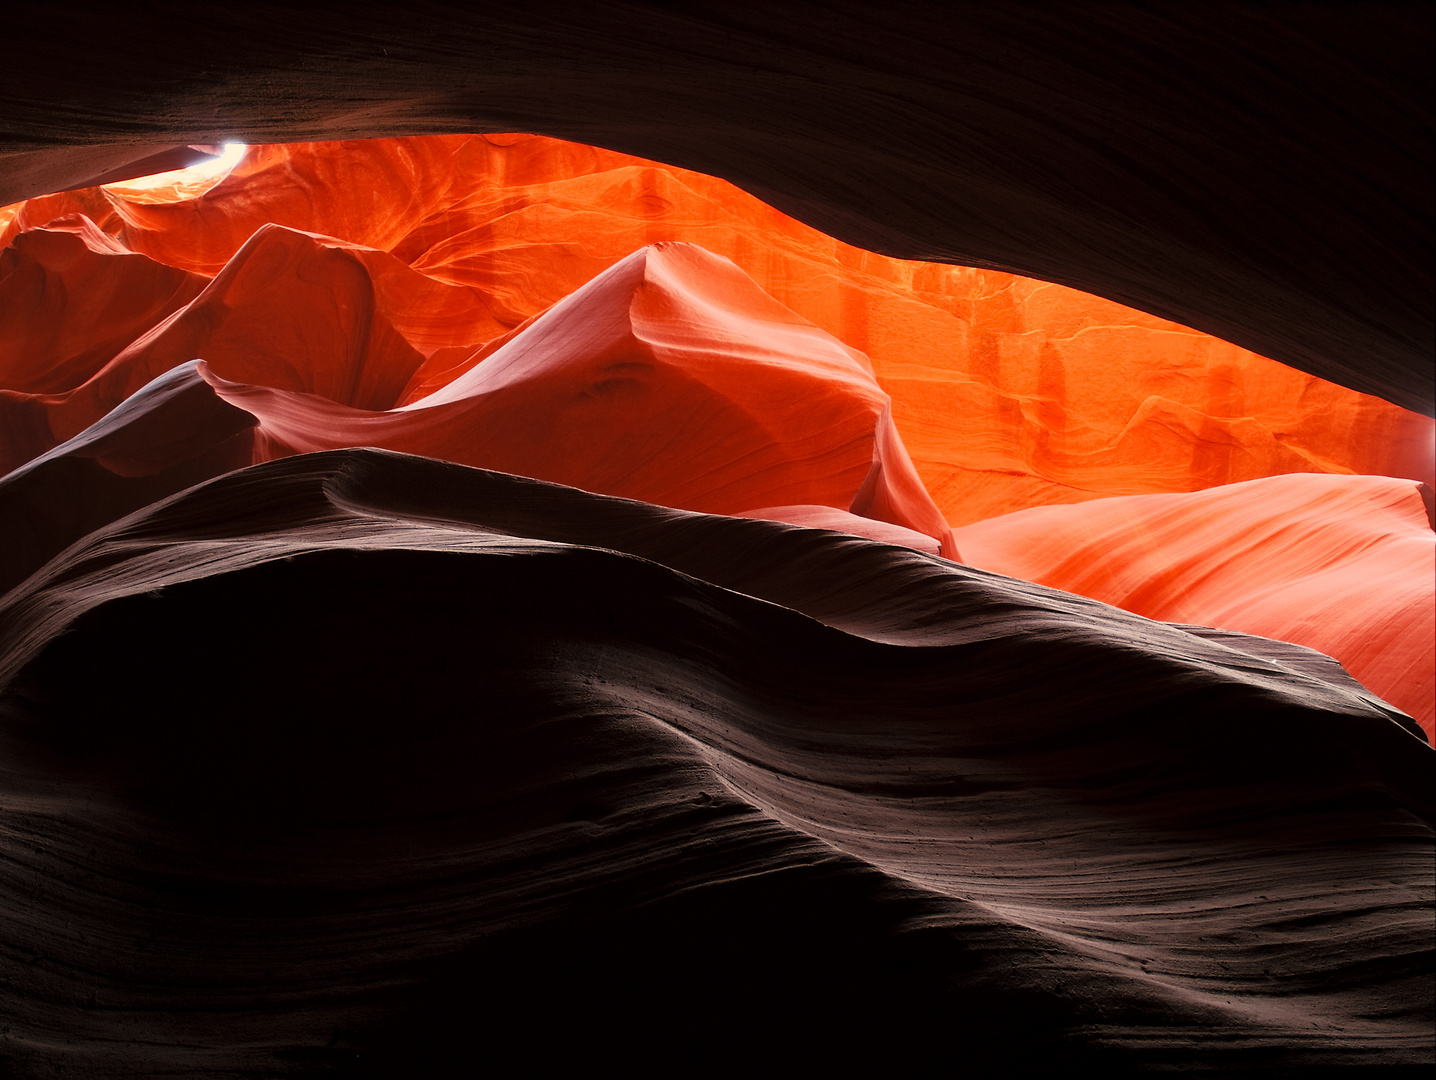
(1259, 172)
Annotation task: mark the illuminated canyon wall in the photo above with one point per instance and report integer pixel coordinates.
(539, 307)
(1010, 392)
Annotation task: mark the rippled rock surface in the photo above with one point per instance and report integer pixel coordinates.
(370, 762)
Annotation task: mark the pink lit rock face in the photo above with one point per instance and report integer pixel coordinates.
(1342, 564)
(670, 378)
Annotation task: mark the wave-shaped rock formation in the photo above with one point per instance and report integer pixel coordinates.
(499, 767)
(671, 377)
(325, 759)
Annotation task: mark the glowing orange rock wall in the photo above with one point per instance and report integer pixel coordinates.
(73, 296)
(1009, 392)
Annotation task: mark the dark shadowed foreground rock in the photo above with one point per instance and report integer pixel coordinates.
(373, 765)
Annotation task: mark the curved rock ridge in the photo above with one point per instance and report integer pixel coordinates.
(480, 755)
(827, 517)
(671, 377)
(1342, 564)
(1263, 177)
(1010, 392)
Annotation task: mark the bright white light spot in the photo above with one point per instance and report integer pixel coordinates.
(180, 184)
(233, 151)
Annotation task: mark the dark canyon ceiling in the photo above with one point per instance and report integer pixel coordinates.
(1261, 172)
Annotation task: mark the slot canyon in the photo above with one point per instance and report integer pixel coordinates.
(710, 539)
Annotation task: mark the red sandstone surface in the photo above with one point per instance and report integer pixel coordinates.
(186, 372)
(1008, 392)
